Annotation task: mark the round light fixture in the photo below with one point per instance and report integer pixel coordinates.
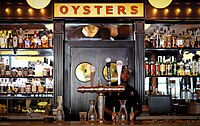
(160, 3)
(38, 4)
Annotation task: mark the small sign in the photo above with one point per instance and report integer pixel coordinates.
(99, 10)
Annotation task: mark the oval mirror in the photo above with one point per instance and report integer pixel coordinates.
(113, 72)
(82, 71)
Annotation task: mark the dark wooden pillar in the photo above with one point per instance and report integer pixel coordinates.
(58, 59)
(139, 58)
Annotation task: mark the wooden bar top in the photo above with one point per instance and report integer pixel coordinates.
(107, 123)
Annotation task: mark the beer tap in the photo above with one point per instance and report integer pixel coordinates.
(101, 89)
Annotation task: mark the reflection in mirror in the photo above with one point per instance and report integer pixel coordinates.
(113, 72)
(82, 71)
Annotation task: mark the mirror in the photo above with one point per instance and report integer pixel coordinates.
(113, 72)
(82, 71)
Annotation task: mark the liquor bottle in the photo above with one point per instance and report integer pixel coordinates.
(51, 68)
(168, 68)
(187, 39)
(188, 94)
(44, 40)
(198, 38)
(181, 70)
(50, 39)
(198, 70)
(132, 115)
(180, 41)
(153, 68)
(3, 40)
(21, 38)
(183, 92)
(8, 71)
(162, 67)
(174, 44)
(27, 42)
(157, 65)
(28, 87)
(174, 67)
(34, 40)
(162, 38)
(157, 38)
(152, 40)
(147, 68)
(6, 36)
(10, 41)
(194, 67)
(34, 87)
(114, 115)
(15, 38)
(168, 38)
(60, 113)
(146, 41)
(187, 68)
(2, 67)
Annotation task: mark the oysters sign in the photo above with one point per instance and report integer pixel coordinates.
(99, 10)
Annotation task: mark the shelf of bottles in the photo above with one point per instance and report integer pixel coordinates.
(172, 58)
(26, 63)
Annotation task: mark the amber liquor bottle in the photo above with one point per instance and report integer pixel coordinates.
(114, 115)
(132, 115)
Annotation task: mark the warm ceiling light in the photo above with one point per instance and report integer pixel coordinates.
(19, 11)
(42, 11)
(155, 11)
(7, 10)
(38, 4)
(160, 3)
(30, 11)
(189, 10)
(177, 11)
(166, 11)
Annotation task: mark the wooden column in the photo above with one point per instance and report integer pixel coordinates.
(139, 58)
(58, 59)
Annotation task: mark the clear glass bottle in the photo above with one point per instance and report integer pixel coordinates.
(183, 92)
(92, 114)
(123, 117)
(60, 113)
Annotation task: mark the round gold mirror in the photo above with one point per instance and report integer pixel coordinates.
(82, 71)
(113, 72)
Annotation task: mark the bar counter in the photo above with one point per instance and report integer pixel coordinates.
(107, 123)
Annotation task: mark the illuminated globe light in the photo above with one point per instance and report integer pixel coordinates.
(38, 4)
(160, 3)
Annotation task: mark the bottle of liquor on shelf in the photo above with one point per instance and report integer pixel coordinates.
(147, 67)
(51, 68)
(33, 42)
(188, 95)
(27, 42)
(153, 68)
(168, 38)
(198, 69)
(168, 68)
(50, 38)
(8, 71)
(23, 88)
(157, 65)
(174, 66)
(162, 38)
(152, 40)
(44, 40)
(146, 41)
(34, 87)
(181, 70)
(187, 68)
(2, 67)
(174, 43)
(162, 67)
(198, 38)
(194, 67)
(28, 87)
(180, 41)
(10, 41)
(193, 40)
(15, 38)
(36, 40)
(157, 38)
(187, 39)
(3, 39)
(21, 38)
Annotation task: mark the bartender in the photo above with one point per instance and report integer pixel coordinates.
(130, 94)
